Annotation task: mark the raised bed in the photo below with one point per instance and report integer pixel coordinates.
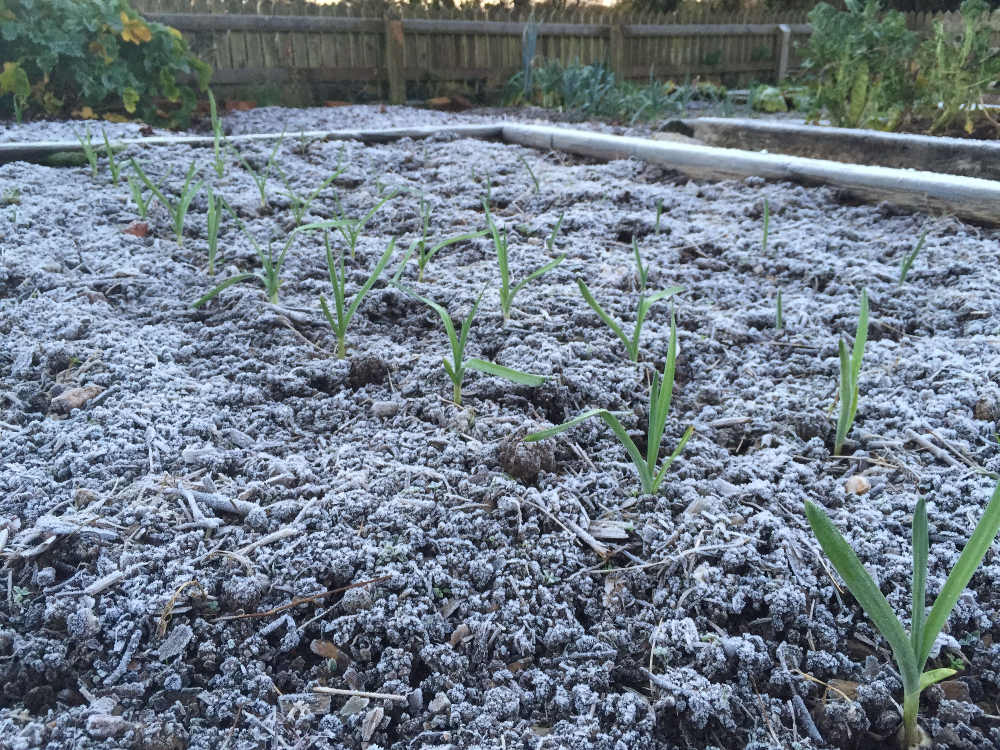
(178, 544)
(957, 156)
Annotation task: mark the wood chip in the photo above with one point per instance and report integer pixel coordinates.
(74, 398)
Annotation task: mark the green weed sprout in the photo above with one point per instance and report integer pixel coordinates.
(260, 177)
(299, 204)
(660, 395)
(508, 292)
(135, 185)
(270, 266)
(344, 314)
(219, 160)
(645, 302)
(212, 233)
(458, 364)
(850, 371)
(659, 213)
(531, 173)
(909, 651)
(767, 226)
(779, 318)
(907, 264)
(350, 229)
(176, 210)
(113, 166)
(89, 151)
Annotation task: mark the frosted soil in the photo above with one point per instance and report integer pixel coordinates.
(184, 493)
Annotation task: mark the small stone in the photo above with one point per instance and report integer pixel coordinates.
(383, 409)
(103, 726)
(987, 410)
(439, 704)
(371, 722)
(74, 398)
(857, 485)
(524, 461)
(355, 704)
(137, 228)
(176, 642)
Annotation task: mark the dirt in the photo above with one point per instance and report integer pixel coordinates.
(185, 494)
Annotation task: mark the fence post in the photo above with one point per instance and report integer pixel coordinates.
(616, 50)
(394, 60)
(784, 43)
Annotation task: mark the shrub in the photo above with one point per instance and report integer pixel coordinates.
(860, 60)
(95, 58)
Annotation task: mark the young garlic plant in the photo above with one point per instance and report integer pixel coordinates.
(500, 244)
(422, 247)
(113, 165)
(651, 472)
(458, 364)
(212, 230)
(177, 209)
(338, 280)
(261, 176)
(219, 157)
(350, 229)
(909, 258)
(299, 204)
(850, 373)
(646, 301)
(910, 651)
(269, 275)
(88, 151)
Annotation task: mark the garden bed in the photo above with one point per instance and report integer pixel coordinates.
(958, 156)
(177, 545)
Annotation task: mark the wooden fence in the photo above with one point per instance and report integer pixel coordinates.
(292, 43)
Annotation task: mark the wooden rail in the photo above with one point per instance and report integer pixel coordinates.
(314, 49)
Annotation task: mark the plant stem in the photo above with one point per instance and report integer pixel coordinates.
(341, 347)
(911, 704)
(457, 393)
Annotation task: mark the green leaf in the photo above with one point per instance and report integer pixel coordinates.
(934, 676)
(975, 549)
(608, 320)
(372, 278)
(660, 397)
(861, 585)
(673, 457)
(918, 587)
(225, 285)
(536, 273)
(515, 376)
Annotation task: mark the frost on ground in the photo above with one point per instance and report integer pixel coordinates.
(184, 493)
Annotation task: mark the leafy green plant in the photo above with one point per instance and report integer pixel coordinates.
(909, 258)
(212, 230)
(270, 266)
(651, 469)
(850, 372)
(261, 176)
(113, 166)
(955, 73)
(177, 209)
(141, 202)
(860, 59)
(910, 651)
(218, 153)
(508, 292)
(645, 302)
(458, 364)
(88, 151)
(96, 58)
(338, 281)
